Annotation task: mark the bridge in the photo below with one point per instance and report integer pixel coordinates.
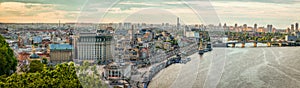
(255, 43)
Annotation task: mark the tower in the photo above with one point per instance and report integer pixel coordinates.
(297, 26)
(269, 28)
(292, 28)
(178, 24)
(20, 41)
(132, 37)
(255, 27)
(235, 27)
(245, 27)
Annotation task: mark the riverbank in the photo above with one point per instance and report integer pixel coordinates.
(274, 67)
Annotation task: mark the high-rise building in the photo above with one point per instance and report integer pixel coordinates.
(127, 25)
(297, 26)
(167, 24)
(120, 26)
(288, 30)
(255, 27)
(178, 24)
(94, 47)
(245, 27)
(292, 28)
(235, 27)
(225, 26)
(269, 28)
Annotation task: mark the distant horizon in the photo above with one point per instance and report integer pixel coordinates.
(281, 14)
(134, 23)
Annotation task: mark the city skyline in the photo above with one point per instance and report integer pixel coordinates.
(281, 14)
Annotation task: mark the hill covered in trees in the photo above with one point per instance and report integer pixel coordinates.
(8, 62)
(65, 75)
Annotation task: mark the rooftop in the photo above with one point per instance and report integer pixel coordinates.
(60, 46)
(34, 56)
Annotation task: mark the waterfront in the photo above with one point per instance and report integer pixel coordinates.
(275, 67)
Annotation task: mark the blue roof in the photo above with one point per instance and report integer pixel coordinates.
(37, 39)
(60, 46)
(34, 56)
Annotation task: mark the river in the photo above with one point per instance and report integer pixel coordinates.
(270, 67)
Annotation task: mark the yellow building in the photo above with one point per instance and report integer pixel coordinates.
(60, 53)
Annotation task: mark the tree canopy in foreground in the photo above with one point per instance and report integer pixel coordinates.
(8, 62)
(60, 76)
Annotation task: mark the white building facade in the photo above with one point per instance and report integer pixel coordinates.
(94, 48)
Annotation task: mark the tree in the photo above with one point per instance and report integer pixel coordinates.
(44, 61)
(62, 76)
(8, 62)
(35, 66)
(89, 77)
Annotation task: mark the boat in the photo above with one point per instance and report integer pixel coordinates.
(201, 52)
(208, 47)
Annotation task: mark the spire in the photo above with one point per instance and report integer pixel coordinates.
(33, 49)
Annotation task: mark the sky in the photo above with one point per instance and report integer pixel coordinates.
(279, 13)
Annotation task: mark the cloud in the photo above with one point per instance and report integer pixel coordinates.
(29, 12)
(277, 12)
(22, 9)
(258, 12)
(263, 1)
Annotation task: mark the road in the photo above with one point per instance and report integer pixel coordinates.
(276, 67)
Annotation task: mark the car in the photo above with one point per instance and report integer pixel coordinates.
(188, 59)
(206, 50)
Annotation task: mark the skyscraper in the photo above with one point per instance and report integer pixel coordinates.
(235, 27)
(288, 30)
(127, 25)
(255, 27)
(225, 26)
(297, 26)
(292, 28)
(245, 27)
(269, 28)
(178, 24)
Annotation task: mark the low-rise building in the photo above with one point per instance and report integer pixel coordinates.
(290, 38)
(117, 73)
(23, 56)
(60, 53)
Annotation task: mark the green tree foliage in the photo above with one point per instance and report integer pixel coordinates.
(35, 66)
(62, 76)
(65, 75)
(44, 61)
(89, 76)
(8, 62)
